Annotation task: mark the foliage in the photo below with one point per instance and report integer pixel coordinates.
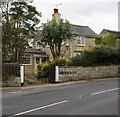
(101, 55)
(59, 62)
(43, 69)
(98, 40)
(20, 22)
(110, 40)
(118, 54)
(54, 32)
(75, 61)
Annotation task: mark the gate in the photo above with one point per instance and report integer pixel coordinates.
(51, 78)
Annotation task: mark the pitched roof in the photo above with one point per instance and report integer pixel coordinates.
(35, 51)
(112, 32)
(83, 31)
(77, 30)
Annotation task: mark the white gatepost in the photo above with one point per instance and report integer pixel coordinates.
(22, 74)
(56, 74)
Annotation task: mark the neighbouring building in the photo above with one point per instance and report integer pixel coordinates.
(83, 37)
(32, 58)
(106, 32)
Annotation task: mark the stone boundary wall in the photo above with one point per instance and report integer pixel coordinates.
(87, 73)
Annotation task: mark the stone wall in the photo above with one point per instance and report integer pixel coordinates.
(87, 73)
(30, 69)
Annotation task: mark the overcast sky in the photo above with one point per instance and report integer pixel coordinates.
(97, 14)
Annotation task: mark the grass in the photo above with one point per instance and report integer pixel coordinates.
(32, 80)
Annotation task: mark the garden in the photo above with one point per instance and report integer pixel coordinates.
(96, 56)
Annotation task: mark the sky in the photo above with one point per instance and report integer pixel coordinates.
(97, 14)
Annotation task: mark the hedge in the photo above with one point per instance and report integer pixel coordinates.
(99, 55)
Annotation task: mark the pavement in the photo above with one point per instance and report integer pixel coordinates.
(99, 97)
(53, 84)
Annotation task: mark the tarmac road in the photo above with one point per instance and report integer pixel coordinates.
(78, 98)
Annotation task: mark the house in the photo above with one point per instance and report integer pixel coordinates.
(83, 37)
(33, 57)
(106, 32)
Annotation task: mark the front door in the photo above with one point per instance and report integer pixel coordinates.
(37, 62)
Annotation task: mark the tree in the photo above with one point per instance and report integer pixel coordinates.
(20, 25)
(54, 32)
(110, 40)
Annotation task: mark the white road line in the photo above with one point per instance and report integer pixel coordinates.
(32, 110)
(16, 92)
(104, 91)
(80, 96)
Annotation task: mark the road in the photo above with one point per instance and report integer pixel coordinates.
(80, 98)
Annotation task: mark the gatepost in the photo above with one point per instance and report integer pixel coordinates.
(22, 74)
(56, 74)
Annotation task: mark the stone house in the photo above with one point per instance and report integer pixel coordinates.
(83, 37)
(106, 32)
(32, 58)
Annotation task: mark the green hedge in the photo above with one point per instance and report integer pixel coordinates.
(43, 69)
(99, 55)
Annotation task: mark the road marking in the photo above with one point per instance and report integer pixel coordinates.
(35, 89)
(16, 92)
(40, 108)
(104, 91)
(80, 96)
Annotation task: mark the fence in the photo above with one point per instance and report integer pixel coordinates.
(86, 73)
(10, 69)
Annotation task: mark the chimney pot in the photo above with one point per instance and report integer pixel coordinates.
(55, 11)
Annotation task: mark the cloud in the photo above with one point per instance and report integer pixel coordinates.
(97, 15)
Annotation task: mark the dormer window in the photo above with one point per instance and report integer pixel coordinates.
(38, 45)
(81, 41)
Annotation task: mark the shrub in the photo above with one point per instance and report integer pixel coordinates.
(75, 61)
(43, 69)
(100, 55)
(59, 62)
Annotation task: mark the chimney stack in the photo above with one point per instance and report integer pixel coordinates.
(55, 10)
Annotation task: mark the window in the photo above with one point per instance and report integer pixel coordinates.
(48, 45)
(77, 53)
(67, 48)
(37, 60)
(27, 60)
(81, 41)
(62, 43)
(38, 45)
(67, 43)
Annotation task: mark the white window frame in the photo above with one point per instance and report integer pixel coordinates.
(40, 46)
(82, 41)
(62, 43)
(30, 61)
(47, 45)
(77, 53)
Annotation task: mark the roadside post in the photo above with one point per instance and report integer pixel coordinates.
(22, 74)
(56, 74)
